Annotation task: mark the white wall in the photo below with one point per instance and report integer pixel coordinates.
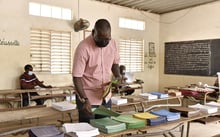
(196, 23)
(16, 24)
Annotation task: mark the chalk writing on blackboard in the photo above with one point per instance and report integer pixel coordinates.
(192, 57)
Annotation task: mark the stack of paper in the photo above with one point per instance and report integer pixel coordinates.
(133, 98)
(170, 116)
(63, 106)
(151, 119)
(108, 125)
(185, 111)
(45, 131)
(81, 129)
(173, 92)
(130, 121)
(159, 94)
(204, 108)
(105, 112)
(148, 96)
(213, 104)
(118, 100)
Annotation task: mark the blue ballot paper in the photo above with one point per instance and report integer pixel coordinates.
(170, 116)
(160, 94)
(45, 131)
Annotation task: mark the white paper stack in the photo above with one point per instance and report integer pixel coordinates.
(118, 100)
(81, 129)
(63, 106)
(205, 108)
(213, 104)
(148, 96)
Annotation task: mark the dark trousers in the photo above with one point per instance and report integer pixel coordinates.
(83, 117)
(25, 99)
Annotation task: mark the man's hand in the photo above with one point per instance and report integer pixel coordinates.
(87, 108)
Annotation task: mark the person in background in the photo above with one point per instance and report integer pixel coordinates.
(216, 93)
(96, 58)
(28, 80)
(127, 90)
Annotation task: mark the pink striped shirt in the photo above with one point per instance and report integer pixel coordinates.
(94, 65)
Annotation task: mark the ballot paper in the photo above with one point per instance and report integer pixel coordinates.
(130, 121)
(117, 100)
(148, 96)
(204, 108)
(45, 131)
(170, 116)
(63, 106)
(81, 129)
(213, 104)
(108, 125)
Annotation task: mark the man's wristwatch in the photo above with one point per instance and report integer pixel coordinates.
(84, 100)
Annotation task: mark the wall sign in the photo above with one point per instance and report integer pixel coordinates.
(4, 42)
(150, 61)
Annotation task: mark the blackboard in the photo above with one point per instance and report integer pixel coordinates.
(198, 57)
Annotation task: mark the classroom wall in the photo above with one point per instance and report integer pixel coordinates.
(196, 23)
(16, 24)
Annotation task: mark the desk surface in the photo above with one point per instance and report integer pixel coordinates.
(182, 120)
(17, 91)
(29, 113)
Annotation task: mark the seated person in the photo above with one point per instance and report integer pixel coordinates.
(28, 80)
(122, 69)
(216, 93)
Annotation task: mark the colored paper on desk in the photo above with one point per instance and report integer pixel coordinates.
(145, 115)
(159, 94)
(108, 125)
(170, 116)
(45, 131)
(151, 119)
(105, 112)
(130, 121)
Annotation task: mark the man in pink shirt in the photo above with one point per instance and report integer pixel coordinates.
(96, 58)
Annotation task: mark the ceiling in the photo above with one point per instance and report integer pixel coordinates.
(158, 6)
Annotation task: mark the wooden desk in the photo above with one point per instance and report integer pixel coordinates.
(143, 102)
(12, 95)
(197, 94)
(33, 115)
(27, 113)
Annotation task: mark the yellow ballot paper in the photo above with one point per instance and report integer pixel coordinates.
(145, 115)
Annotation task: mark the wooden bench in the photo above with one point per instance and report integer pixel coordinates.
(14, 95)
(31, 116)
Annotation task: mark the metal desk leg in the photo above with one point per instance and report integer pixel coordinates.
(187, 130)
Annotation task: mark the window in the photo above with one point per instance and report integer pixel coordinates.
(132, 54)
(50, 51)
(131, 24)
(49, 11)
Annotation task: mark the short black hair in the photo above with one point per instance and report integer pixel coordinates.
(27, 67)
(102, 24)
